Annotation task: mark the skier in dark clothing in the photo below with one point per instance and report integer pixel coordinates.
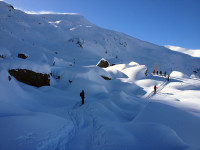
(168, 78)
(82, 95)
(154, 72)
(155, 89)
(9, 78)
(161, 73)
(165, 73)
(146, 72)
(157, 72)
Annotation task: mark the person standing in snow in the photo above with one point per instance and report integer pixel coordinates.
(155, 89)
(9, 78)
(165, 73)
(82, 95)
(167, 77)
(146, 72)
(154, 72)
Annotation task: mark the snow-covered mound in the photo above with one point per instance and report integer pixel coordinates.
(121, 110)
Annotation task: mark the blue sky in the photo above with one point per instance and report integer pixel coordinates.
(163, 22)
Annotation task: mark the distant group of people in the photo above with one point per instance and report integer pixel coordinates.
(156, 72)
(82, 94)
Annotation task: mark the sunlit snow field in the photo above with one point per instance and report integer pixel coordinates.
(119, 114)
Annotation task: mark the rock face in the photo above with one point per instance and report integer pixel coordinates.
(106, 78)
(22, 56)
(103, 63)
(30, 77)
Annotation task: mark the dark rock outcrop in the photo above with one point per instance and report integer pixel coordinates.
(30, 77)
(23, 56)
(106, 78)
(103, 63)
(78, 41)
(2, 56)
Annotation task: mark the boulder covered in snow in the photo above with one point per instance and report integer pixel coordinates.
(103, 63)
(30, 77)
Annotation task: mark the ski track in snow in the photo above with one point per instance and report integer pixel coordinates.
(97, 135)
(159, 88)
(58, 140)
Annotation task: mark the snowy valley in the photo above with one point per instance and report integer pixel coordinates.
(121, 111)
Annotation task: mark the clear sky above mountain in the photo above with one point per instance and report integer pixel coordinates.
(163, 22)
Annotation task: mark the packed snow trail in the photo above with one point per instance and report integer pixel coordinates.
(159, 88)
(88, 132)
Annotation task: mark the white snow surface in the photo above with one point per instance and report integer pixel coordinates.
(119, 114)
(191, 52)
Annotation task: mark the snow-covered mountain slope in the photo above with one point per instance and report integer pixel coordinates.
(191, 52)
(121, 113)
(72, 36)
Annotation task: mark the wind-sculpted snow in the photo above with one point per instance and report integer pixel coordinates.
(121, 110)
(174, 119)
